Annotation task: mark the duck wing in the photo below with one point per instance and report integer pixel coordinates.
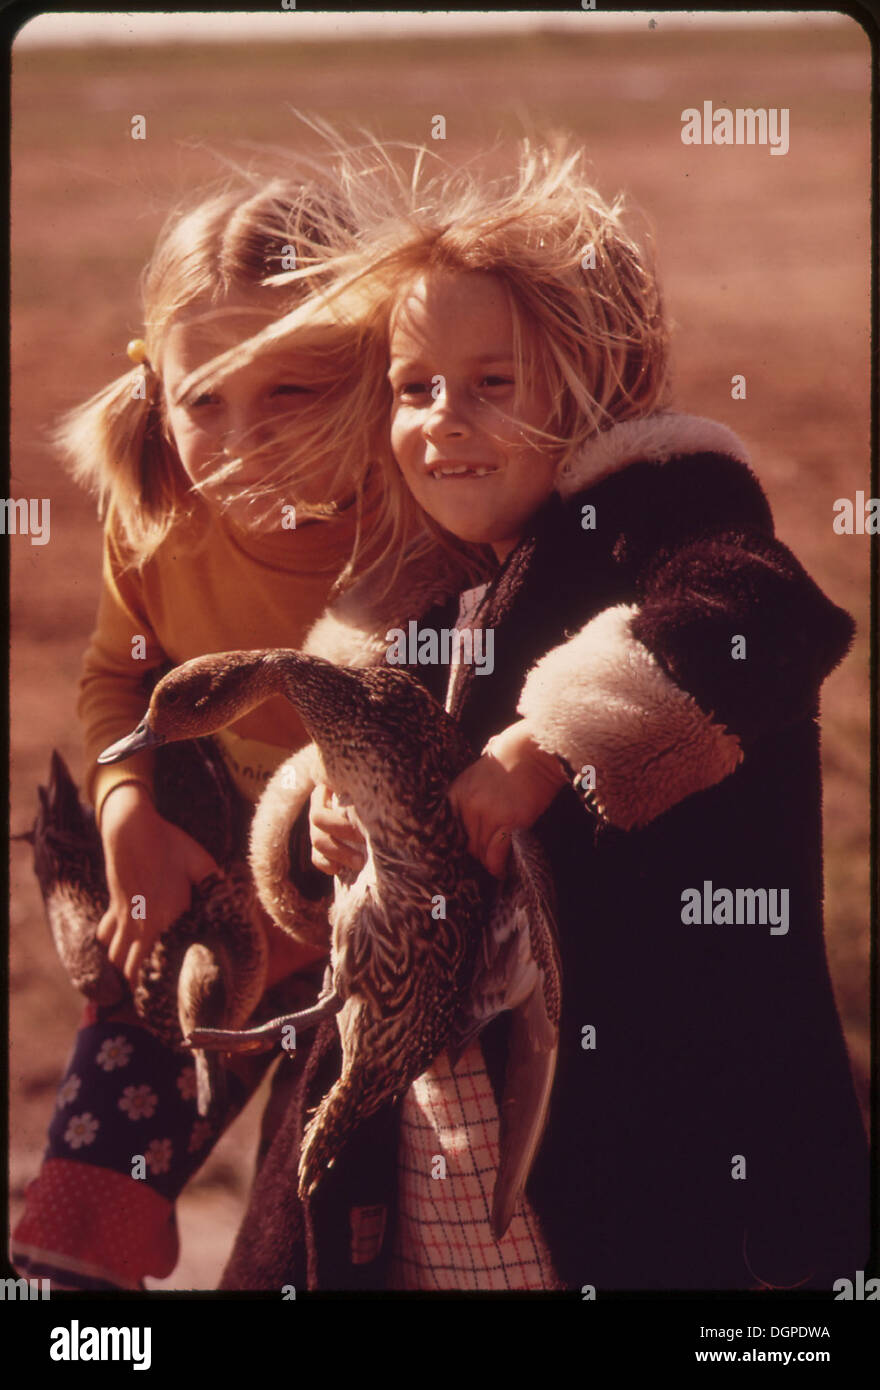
(518, 950)
(207, 971)
(195, 792)
(528, 1084)
(69, 866)
(222, 920)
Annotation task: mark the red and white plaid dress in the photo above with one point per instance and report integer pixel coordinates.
(444, 1240)
(447, 1163)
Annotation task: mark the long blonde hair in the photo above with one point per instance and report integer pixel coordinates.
(118, 443)
(587, 310)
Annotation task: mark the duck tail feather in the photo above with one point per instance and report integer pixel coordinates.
(61, 799)
(336, 1116)
(531, 1067)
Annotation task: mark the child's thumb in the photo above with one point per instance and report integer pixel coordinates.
(497, 851)
(106, 928)
(199, 864)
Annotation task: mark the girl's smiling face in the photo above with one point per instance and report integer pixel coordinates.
(220, 427)
(458, 413)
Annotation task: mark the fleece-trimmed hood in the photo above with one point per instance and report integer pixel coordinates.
(649, 439)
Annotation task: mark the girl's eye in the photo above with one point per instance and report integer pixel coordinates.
(207, 398)
(414, 389)
(289, 388)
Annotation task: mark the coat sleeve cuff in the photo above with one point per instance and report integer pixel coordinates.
(601, 701)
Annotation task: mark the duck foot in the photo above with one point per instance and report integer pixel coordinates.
(211, 1090)
(268, 1034)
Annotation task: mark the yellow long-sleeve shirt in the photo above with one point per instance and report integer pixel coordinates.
(234, 591)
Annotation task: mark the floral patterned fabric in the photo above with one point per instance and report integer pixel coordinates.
(124, 1140)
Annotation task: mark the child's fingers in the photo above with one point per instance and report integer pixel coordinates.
(321, 862)
(329, 854)
(470, 817)
(132, 962)
(335, 864)
(335, 824)
(106, 928)
(113, 934)
(467, 813)
(336, 831)
(496, 851)
(489, 842)
(336, 843)
(199, 863)
(487, 825)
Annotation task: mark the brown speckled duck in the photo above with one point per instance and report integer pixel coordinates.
(408, 977)
(209, 968)
(69, 865)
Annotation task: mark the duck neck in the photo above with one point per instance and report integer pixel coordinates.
(258, 676)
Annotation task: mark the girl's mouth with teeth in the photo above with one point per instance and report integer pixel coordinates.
(441, 471)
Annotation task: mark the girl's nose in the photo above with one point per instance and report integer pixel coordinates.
(242, 432)
(448, 417)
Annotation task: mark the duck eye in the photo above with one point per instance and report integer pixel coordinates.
(172, 696)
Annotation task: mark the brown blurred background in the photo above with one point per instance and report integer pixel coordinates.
(765, 264)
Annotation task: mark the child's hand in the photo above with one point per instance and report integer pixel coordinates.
(337, 843)
(509, 787)
(145, 856)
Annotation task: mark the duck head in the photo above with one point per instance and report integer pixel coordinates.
(376, 729)
(207, 693)
(195, 699)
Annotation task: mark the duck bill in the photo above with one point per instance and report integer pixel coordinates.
(143, 738)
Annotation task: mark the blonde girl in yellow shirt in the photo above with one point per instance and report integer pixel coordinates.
(229, 515)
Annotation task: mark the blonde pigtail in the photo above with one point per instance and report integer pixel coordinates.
(116, 446)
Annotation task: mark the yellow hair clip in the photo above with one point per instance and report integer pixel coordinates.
(137, 353)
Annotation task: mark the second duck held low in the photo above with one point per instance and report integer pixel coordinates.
(405, 984)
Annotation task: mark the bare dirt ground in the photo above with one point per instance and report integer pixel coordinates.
(765, 264)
